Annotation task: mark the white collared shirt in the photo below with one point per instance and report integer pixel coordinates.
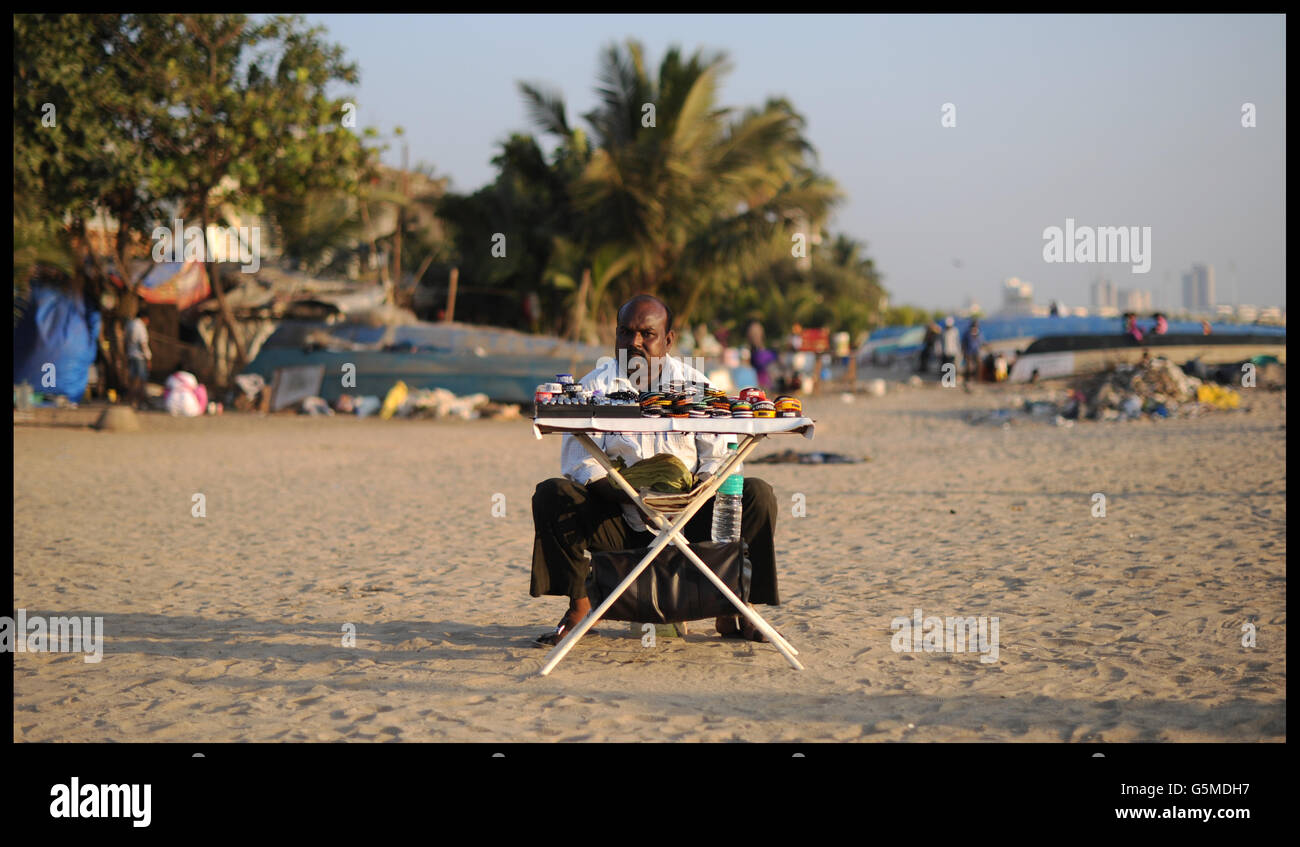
(700, 453)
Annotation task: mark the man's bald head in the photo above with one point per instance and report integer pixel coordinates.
(640, 300)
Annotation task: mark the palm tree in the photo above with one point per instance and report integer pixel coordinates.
(695, 195)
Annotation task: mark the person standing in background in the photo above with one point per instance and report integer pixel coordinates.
(970, 348)
(139, 358)
(927, 347)
(796, 338)
(1131, 328)
(706, 344)
(951, 346)
(760, 357)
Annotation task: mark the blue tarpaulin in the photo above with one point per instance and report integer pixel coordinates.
(55, 343)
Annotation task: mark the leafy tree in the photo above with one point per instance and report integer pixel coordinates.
(693, 192)
(192, 114)
(522, 213)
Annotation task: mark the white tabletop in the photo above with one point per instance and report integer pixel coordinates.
(731, 426)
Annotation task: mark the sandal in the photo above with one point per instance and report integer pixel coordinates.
(550, 639)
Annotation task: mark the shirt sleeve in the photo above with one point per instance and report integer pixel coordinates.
(711, 451)
(576, 463)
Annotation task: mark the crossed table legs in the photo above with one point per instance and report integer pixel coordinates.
(670, 532)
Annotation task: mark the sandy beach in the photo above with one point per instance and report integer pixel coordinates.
(230, 627)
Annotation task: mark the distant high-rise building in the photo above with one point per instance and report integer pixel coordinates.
(1135, 300)
(1198, 288)
(1103, 294)
(1205, 286)
(1017, 297)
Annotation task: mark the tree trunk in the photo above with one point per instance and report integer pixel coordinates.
(210, 268)
(580, 307)
(110, 328)
(451, 296)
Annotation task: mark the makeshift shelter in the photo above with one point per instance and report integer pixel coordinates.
(181, 284)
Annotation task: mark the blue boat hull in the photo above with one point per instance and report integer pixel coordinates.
(504, 379)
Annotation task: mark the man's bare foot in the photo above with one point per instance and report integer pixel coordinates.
(738, 626)
(728, 626)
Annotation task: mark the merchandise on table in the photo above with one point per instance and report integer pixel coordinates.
(678, 399)
(572, 400)
(788, 407)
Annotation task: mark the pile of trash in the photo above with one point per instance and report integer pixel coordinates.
(403, 402)
(1156, 388)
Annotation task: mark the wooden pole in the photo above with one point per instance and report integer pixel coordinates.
(401, 222)
(451, 296)
(228, 317)
(579, 317)
(580, 305)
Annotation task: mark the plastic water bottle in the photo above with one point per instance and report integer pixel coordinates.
(726, 506)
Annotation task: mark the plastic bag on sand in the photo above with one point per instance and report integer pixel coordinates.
(441, 403)
(467, 407)
(1218, 396)
(181, 397)
(396, 397)
(316, 406)
(250, 384)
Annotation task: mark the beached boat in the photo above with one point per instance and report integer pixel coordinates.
(463, 358)
(1062, 346)
(1068, 355)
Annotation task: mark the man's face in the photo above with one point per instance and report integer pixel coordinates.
(641, 334)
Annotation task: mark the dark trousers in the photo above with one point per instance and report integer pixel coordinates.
(568, 520)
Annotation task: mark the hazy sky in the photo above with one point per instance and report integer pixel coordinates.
(1109, 120)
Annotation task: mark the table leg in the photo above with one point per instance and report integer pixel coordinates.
(670, 533)
(566, 643)
(742, 451)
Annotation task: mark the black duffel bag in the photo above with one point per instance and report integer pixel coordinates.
(671, 589)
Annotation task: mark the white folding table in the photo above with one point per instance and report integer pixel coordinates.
(753, 430)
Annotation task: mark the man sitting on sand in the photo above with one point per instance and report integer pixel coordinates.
(585, 511)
